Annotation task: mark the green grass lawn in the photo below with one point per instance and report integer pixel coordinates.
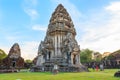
(107, 74)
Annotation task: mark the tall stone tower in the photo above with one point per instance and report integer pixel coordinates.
(59, 46)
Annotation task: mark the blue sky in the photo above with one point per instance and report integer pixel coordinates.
(25, 22)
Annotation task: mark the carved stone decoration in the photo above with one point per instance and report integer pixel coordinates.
(59, 45)
(14, 59)
(40, 60)
(14, 51)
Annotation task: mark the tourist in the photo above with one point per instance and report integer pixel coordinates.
(101, 67)
(43, 68)
(97, 67)
(55, 69)
(93, 67)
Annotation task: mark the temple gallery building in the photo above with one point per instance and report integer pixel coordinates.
(59, 46)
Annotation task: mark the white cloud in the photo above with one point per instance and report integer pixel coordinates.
(31, 2)
(29, 7)
(114, 8)
(32, 13)
(39, 27)
(29, 49)
(104, 36)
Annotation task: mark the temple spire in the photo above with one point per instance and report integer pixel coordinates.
(61, 20)
(60, 46)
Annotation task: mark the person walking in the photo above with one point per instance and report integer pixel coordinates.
(55, 69)
(97, 67)
(101, 67)
(93, 67)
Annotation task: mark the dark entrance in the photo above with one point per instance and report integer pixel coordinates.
(13, 63)
(74, 59)
(49, 54)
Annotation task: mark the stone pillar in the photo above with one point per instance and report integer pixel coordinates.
(55, 45)
(72, 59)
(60, 40)
(59, 50)
(69, 57)
(78, 59)
(40, 60)
(47, 56)
(52, 53)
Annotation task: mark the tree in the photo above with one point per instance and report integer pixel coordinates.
(86, 55)
(110, 57)
(97, 56)
(28, 61)
(2, 54)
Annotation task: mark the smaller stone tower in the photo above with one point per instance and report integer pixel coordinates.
(14, 59)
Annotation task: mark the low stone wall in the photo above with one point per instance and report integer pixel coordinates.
(8, 70)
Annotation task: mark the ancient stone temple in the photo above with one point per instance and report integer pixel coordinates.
(59, 46)
(14, 59)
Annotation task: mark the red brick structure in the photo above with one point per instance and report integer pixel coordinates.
(14, 59)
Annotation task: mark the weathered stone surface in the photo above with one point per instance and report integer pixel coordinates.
(15, 51)
(112, 60)
(14, 59)
(117, 74)
(60, 46)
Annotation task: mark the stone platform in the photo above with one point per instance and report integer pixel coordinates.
(63, 66)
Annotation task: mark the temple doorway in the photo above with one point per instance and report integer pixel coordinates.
(74, 59)
(13, 63)
(49, 55)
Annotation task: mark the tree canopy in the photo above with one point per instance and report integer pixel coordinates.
(97, 56)
(86, 55)
(2, 54)
(28, 61)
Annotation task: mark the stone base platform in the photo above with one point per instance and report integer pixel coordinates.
(8, 70)
(63, 66)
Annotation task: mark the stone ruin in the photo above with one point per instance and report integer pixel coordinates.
(117, 74)
(14, 59)
(59, 46)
